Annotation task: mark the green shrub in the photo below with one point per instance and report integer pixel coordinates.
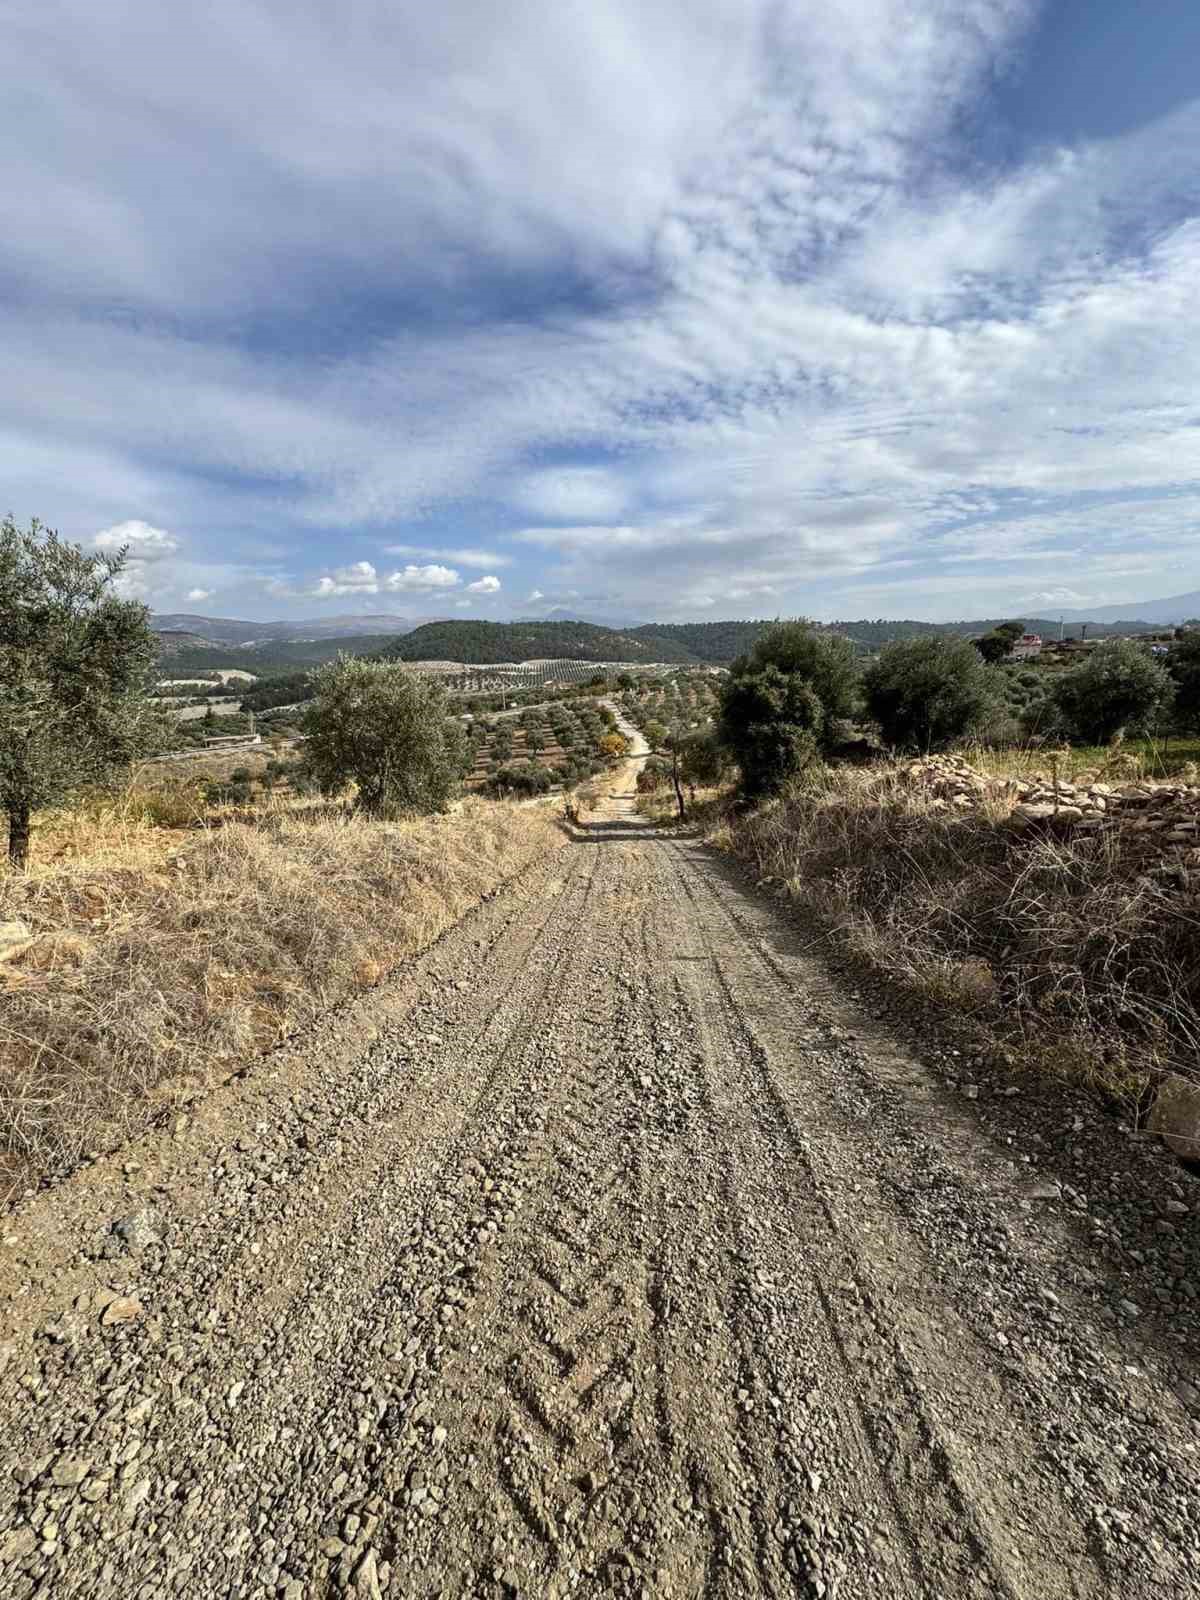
(387, 730)
(781, 703)
(1119, 689)
(1184, 666)
(521, 778)
(928, 691)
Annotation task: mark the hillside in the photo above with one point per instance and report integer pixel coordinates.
(174, 642)
(271, 656)
(486, 642)
(713, 642)
(1173, 608)
(238, 631)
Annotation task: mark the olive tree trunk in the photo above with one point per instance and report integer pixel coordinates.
(675, 781)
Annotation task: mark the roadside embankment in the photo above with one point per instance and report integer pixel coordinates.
(1059, 923)
(139, 974)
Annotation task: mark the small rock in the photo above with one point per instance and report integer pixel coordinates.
(1175, 1115)
(124, 1308)
(1044, 1191)
(137, 1231)
(15, 939)
(17, 1544)
(366, 1577)
(70, 1471)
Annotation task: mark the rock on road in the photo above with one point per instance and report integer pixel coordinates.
(611, 1249)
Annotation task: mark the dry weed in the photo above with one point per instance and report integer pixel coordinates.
(164, 959)
(1064, 946)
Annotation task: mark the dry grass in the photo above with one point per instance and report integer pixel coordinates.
(1059, 948)
(165, 957)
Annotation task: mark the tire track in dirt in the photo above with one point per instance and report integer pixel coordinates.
(922, 1401)
(604, 1275)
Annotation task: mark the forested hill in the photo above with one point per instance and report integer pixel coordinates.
(679, 643)
(484, 642)
(714, 642)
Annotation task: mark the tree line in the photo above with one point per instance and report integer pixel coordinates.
(801, 693)
(78, 661)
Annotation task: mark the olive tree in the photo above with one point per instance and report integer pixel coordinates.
(387, 730)
(76, 662)
(1120, 688)
(782, 701)
(1184, 666)
(926, 692)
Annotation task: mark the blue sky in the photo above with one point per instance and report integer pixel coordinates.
(702, 308)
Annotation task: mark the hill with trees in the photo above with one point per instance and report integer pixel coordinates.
(484, 643)
(282, 655)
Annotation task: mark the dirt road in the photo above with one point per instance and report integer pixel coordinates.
(613, 1250)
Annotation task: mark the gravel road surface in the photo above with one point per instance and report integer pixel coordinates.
(614, 1248)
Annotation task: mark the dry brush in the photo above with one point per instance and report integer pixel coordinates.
(161, 961)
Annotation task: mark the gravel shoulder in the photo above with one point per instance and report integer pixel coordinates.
(615, 1248)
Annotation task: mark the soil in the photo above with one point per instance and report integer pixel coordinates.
(614, 1248)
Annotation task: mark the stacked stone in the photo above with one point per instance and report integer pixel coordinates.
(1161, 820)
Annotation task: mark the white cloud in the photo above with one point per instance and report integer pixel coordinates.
(469, 557)
(360, 578)
(822, 351)
(196, 595)
(144, 543)
(487, 585)
(570, 494)
(422, 580)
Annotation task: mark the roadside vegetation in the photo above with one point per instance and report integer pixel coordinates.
(1040, 887)
(161, 923)
(1018, 843)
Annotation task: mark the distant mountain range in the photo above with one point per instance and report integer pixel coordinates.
(193, 642)
(1175, 608)
(228, 630)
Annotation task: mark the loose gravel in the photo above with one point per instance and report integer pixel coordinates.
(615, 1249)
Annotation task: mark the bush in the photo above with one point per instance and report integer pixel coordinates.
(703, 759)
(1184, 666)
(1120, 688)
(614, 746)
(928, 691)
(780, 704)
(773, 724)
(654, 774)
(522, 777)
(377, 725)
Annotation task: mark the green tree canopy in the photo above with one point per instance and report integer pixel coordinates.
(994, 646)
(782, 700)
(926, 692)
(386, 729)
(76, 662)
(1184, 666)
(1119, 688)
